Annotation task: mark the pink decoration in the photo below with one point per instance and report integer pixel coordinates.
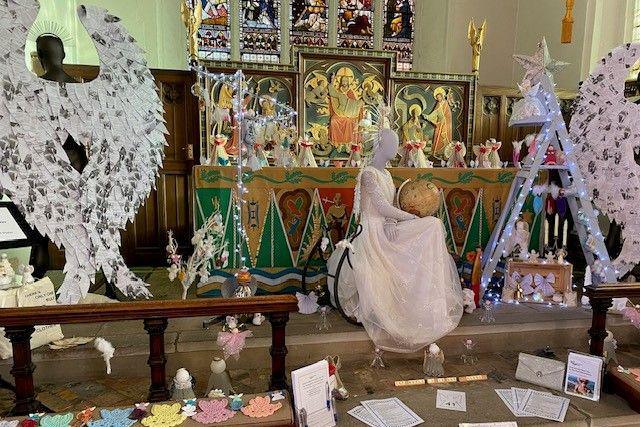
(260, 407)
(213, 411)
(232, 342)
(633, 315)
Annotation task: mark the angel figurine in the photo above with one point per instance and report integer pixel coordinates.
(283, 156)
(531, 143)
(355, 158)
(433, 360)
(306, 158)
(455, 152)
(419, 159)
(259, 146)
(530, 108)
(232, 340)
(220, 156)
(482, 152)
(494, 155)
(515, 155)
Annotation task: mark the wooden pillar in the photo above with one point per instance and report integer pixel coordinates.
(22, 371)
(158, 391)
(598, 331)
(278, 351)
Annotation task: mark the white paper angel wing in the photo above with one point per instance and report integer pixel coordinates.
(307, 304)
(544, 285)
(605, 129)
(118, 116)
(527, 285)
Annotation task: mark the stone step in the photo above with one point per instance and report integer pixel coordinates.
(517, 328)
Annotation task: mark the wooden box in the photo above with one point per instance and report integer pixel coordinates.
(561, 281)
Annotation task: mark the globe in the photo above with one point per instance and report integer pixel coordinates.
(421, 198)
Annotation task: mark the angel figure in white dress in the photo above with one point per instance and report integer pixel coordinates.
(404, 287)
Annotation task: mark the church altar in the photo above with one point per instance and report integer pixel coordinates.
(286, 210)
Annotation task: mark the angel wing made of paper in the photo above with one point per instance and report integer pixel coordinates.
(118, 117)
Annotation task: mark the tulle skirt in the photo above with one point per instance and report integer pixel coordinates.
(405, 292)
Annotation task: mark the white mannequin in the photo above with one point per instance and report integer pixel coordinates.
(386, 151)
(404, 286)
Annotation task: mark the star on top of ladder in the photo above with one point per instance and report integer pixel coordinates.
(539, 63)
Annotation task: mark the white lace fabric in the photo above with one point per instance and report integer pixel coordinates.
(406, 292)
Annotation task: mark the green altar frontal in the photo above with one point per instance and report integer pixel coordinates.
(286, 211)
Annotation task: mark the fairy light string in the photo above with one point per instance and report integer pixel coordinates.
(284, 115)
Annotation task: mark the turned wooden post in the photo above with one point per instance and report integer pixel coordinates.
(598, 330)
(158, 391)
(22, 371)
(278, 351)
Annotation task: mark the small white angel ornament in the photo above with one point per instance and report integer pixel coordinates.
(530, 108)
(433, 361)
(494, 155)
(482, 152)
(515, 155)
(455, 152)
(306, 158)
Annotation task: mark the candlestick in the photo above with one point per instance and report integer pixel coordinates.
(565, 233)
(546, 232)
(555, 227)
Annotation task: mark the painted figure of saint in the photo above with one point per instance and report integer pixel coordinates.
(441, 119)
(346, 108)
(412, 129)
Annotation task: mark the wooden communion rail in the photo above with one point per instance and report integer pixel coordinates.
(19, 324)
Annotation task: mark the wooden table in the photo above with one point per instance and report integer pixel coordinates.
(601, 300)
(19, 325)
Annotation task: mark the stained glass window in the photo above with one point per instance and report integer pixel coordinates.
(214, 31)
(309, 22)
(260, 30)
(398, 30)
(355, 24)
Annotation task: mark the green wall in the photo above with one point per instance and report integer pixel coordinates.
(155, 24)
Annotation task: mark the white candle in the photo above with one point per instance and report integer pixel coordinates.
(565, 233)
(555, 227)
(546, 232)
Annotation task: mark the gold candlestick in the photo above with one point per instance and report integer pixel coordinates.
(476, 40)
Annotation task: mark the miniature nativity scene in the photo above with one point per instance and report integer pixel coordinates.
(313, 228)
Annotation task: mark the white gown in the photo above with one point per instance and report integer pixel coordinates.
(406, 292)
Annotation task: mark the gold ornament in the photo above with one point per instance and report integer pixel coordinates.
(567, 22)
(192, 19)
(476, 40)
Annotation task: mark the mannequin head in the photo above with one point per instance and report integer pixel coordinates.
(51, 54)
(387, 148)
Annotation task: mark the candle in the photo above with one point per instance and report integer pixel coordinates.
(555, 227)
(565, 233)
(546, 232)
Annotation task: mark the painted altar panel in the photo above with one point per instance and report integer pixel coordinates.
(287, 208)
(338, 92)
(355, 24)
(399, 18)
(279, 85)
(309, 23)
(436, 111)
(260, 31)
(215, 30)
